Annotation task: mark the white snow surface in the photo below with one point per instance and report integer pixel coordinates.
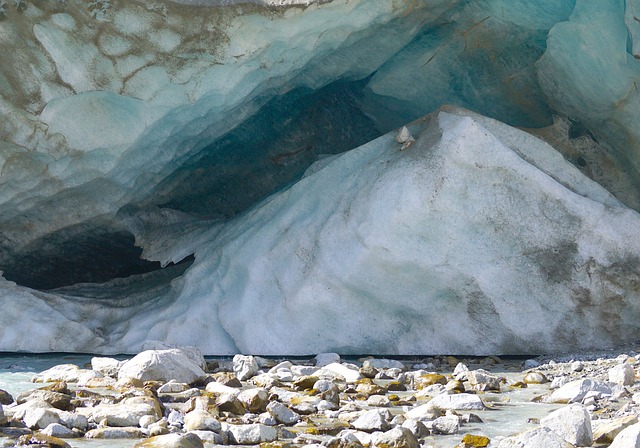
(477, 239)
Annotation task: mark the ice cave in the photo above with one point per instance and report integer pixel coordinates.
(290, 177)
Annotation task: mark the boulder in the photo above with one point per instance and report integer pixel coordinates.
(63, 372)
(622, 374)
(627, 438)
(323, 359)
(251, 434)
(162, 365)
(575, 391)
(282, 413)
(60, 431)
(188, 440)
(535, 438)
(254, 400)
(245, 367)
(604, 431)
(456, 402)
(115, 433)
(200, 420)
(482, 380)
(106, 366)
(572, 423)
(398, 437)
(350, 375)
(373, 420)
(43, 440)
(446, 425)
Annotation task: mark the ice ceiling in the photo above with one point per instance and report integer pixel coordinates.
(133, 132)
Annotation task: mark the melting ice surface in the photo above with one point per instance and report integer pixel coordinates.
(256, 143)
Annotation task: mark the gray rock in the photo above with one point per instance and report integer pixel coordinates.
(40, 418)
(245, 367)
(572, 423)
(282, 413)
(457, 402)
(447, 425)
(482, 380)
(254, 400)
(383, 364)
(115, 433)
(189, 440)
(106, 366)
(323, 359)
(373, 420)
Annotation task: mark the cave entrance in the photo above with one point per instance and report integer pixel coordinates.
(83, 253)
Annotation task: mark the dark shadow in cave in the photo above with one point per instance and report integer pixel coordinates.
(84, 253)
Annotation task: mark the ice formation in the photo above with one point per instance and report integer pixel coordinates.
(208, 138)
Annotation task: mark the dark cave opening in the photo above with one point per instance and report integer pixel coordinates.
(84, 253)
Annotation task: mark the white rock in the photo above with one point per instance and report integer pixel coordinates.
(460, 372)
(378, 363)
(535, 438)
(189, 440)
(482, 380)
(627, 438)
(351, 375)
(39, 418)
(282, 413)
(449, 424)
(60, 431)
(576, 366)
(193, 353)
(373, 420)
(245, 367)
(106, 366)
(572, 423)
(125, 414)
(396, 437)
(456, 402)
(622, 374)
(172, 387)
(200, 420)
(162, 365)
(575, 391)
(252, 434)
(63, 372)
(323, 359)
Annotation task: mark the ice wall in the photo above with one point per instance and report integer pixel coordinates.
(136, 135)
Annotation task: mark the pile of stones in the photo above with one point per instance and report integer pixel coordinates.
(175, 398)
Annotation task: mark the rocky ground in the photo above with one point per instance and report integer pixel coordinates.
(174, 398)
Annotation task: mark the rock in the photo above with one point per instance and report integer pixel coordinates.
(127, 413)
(379, 401)
(73, 420)
(377, 363)
(398, 437)
(368, 371)
(572, 423)
(60, 431)
(254, 400)
(418, 428)
(535, 438)
(115, 433)
(188, 440)
(622, 374)
(251, 434)
(350, 375)
(367, 387)
(193, 353)
(447, 425)
(373, 420)
(5, 397)
(535, 378)
(428, 379)
(482, 380)
(43, 440)
(530, 364)
(106, 366)
(576, 366)
(627, 438)
(39, 418)
(475, 441)
(227, 379)
(575, 391)
(55, 399)
(323, 359)
(63, 372)
(245, 367)
(162, 365)
(282, 413)
(172, 387)
(200, 420)
(604, 431)
(460, 372)
(457, 402)
(209, 437)
(405, 138)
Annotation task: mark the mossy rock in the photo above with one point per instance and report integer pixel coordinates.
(473, 441)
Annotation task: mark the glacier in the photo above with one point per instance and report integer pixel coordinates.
(225, 174)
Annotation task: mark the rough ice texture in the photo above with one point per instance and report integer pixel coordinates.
(479, 238)
(168, 125)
